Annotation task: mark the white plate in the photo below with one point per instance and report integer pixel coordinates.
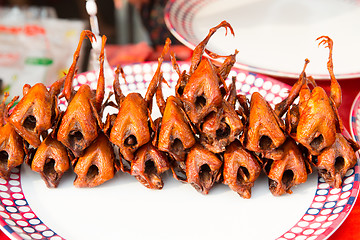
(355, 119)
(122, 208)
(274, 36)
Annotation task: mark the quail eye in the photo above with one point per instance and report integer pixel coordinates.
(200, 102)
(243, 174)
(339, 164)
(265, 142)
(177, 146)
(223, 131)
(316, 142)
(30, 122)
(4, 157)
(92, 172)
(205, 173)
(130, 141)
(288, 177)
(75, 137)
(49, 171)
(150, 167)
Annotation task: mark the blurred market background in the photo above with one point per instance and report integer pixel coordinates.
(38, 37)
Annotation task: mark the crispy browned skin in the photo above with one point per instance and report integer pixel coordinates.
(241, 169)
(81, 122)
(131, 127)
(148, 165)
(11, 144)
(199, 90)
(96, 166)
(199, 131)
(316, 128)
(292, 120)
(282, 107)
(264, 130)
(203, 168)
(200, 48)
(221, 128)
(183, 77)
(36, 112)
(175, 134)
(225, 68)
(11, 150)
(318, 119)
(202, 94)
(51, 160)
(79, 126)
(285, 168)
(244, 108)
(334, 161)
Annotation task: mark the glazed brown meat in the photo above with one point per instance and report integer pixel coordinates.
(207, 132)
(203, 168)
(36, 112)
(334, 161)
(316, 128)
(220, 128)
(97, 165)
(131, 127)
(202, 94)
(11, 144)
(282, 107)
(199, 90)
(51, 160)
(318, 119)
(285, 167)
(175, 134)
(264, 130)
(148, 165)
(241, 169)
(81, 121)
(200, 48)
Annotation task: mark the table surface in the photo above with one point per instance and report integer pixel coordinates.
(350, 88)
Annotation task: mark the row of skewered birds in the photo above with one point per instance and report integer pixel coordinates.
(207, 133)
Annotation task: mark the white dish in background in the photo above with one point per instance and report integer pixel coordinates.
(274, 36)
(122, 208)
(355, 119)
